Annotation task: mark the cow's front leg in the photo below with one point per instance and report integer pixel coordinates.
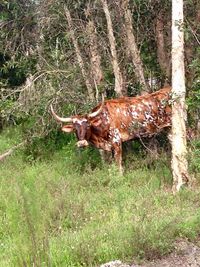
(117, 149)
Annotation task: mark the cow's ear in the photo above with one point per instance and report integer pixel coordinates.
(68, 128)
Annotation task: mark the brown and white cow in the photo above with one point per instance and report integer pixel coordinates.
(118, 120)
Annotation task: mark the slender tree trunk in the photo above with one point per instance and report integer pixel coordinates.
(95, 58)
(115, 63)
(27, 93)
(131, 43)
(179, 149)
(96, 70)
(79, 57)
(163, 57)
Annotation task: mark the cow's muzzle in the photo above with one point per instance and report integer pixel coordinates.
(82, 143)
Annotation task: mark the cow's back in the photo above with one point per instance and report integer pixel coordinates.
(140, 116)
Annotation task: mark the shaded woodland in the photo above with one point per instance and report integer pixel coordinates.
(69, 53)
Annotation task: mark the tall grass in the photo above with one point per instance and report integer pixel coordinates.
(71, 210)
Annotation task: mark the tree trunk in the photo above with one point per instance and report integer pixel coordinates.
(115, 63)
(79, 57)
(131, 43)
(95, 58)
(179, 162)
(27, 94)
(163, 57)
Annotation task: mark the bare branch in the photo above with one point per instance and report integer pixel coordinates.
(10, 151)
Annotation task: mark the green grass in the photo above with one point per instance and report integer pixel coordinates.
(71, 210)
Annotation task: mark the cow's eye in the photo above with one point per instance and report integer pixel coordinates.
(85, 123)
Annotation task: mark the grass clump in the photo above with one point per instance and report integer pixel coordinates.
(67, 212)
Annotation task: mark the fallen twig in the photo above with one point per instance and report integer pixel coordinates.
(10, 151)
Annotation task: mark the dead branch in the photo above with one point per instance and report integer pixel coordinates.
(10, 151)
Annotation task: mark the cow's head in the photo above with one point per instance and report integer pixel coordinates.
(78, 124)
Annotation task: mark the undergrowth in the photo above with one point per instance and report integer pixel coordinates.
(71, 210)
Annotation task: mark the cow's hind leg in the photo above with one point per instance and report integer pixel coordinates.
(106, 156)
(117, 148)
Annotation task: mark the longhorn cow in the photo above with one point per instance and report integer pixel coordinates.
(118, 120)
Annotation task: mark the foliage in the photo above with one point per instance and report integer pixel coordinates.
(194, 94)
(194, 158)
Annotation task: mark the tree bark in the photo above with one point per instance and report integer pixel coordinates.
(95, 58)
(163, 57)
(131, 43)
(79, 57)
(115, 63)
(179, 162)
(27, 93)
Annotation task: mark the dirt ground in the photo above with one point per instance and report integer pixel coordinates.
(186, 254)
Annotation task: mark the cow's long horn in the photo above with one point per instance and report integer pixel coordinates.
(95, 113)
(59, 118)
